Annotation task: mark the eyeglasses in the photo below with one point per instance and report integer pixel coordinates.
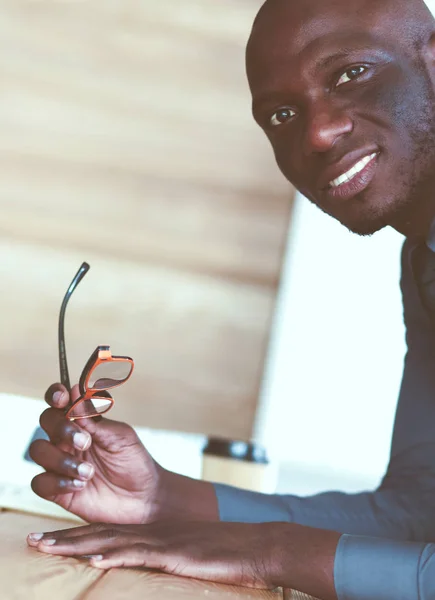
(101, 373)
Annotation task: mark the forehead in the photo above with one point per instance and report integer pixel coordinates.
(291, 36)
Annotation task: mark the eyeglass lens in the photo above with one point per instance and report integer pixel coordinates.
(109, 374)
(90, 407)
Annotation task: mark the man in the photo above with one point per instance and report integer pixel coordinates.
(345, 92)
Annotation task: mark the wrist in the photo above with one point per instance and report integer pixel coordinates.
(184, 498)
(302, 558)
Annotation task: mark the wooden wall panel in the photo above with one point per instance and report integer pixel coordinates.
(126, 140)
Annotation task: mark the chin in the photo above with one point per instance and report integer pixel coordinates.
(367, 227)
(362, 224)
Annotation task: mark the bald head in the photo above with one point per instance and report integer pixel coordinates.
(409, 23)
(412, 17)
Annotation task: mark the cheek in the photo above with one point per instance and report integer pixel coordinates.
(393, 99)
(288, 158)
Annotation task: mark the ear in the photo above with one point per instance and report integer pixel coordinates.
(428, 57)
(429, 52)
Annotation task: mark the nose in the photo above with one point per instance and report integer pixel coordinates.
(325, 125)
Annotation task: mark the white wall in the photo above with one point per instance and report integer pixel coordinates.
(336, 355)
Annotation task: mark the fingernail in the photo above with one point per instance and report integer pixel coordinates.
(85, 470)
(35, 537)
(81, 440)
(78, 483)
(48, 542)
(57, 397)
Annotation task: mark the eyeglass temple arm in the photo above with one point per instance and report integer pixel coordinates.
(64, 375)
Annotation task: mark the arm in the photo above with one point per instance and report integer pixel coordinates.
(403, 506)
(320, 562)
(266, 555)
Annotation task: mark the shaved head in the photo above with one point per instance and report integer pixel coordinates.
(409, 21)
(406, 12)
(408, 24)
(337, 82)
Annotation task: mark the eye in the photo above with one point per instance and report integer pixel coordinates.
(351, 74)
(281, 116)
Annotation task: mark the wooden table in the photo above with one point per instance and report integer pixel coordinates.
(29, 575)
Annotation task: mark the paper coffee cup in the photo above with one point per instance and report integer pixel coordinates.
(237, 463)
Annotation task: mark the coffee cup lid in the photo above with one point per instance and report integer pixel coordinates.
(236, 449)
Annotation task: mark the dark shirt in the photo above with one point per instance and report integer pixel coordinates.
(386, 550)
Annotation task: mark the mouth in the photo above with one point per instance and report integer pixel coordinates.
(355, 179)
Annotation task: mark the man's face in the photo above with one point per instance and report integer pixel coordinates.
(349, 112)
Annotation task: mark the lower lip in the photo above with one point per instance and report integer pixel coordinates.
(356, 185)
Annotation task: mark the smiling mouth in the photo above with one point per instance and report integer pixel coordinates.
(352, 172)
(355, 180)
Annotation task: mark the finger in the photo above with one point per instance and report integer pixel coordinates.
(176, 562)
(137, 555)
(61, 430)
(92, 543)
(75, 532)
(57, 396)
(144, 555)
(35, 537)
(52, 459)
(94, 528)
(49, 485)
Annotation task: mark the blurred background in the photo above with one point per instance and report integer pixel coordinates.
(127, 141)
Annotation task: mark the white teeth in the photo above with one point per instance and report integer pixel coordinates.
(350, 174)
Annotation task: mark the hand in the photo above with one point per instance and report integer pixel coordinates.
(98, 470)
(234, 553)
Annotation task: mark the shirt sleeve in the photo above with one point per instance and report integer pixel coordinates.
(382, 513)
(377, 569)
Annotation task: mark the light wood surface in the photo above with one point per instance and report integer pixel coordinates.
(126, 139)
(29, 575)
(134, 585)
(295, 595)
(26, 574)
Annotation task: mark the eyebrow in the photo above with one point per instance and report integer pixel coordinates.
(331, 58)
(264, 100)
